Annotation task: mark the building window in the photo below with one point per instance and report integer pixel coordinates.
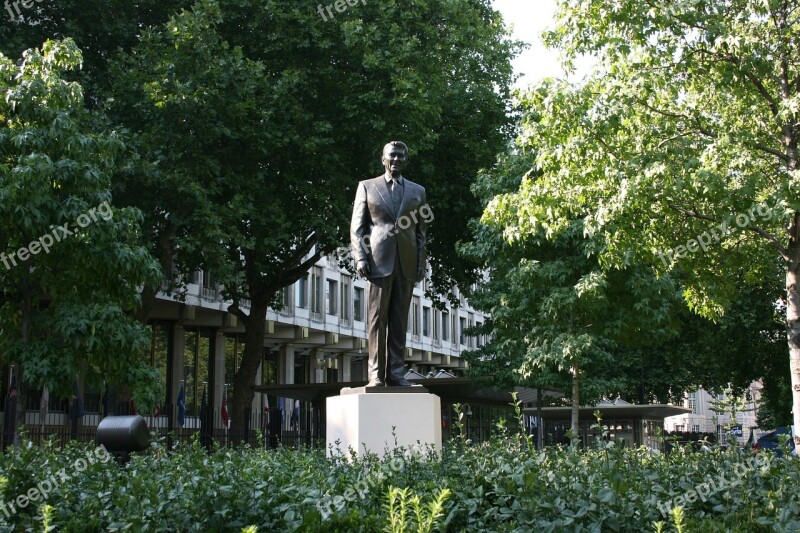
(316, 291)
(462, 336)
(691, 402)
(234, 350)
(436, 320)
(696, 428)
(331, 297)
(302, 292)
(286, 301)
(358, 304)
(159, 354)
(445, 326)
(415, 316)
(344, 303)
(479, 336)
(196, 356)
(426, 321)
(209, 292)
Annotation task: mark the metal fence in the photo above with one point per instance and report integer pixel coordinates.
(267, 430)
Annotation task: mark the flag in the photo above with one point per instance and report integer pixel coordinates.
(265, 419)
(76, 409)
(224, 409)
(181, 407)
(295, 418)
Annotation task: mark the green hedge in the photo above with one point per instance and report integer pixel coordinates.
(498, 486)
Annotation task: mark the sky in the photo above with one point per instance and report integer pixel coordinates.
(528, 19)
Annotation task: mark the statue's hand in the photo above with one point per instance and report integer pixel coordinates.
(363, 269)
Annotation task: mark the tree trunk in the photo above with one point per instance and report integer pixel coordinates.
(576, 405)
(793, 320)
(242, 399)
(166, 254)
(148, 295)
(27, 310)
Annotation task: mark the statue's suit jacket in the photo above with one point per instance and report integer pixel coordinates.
(378, 233)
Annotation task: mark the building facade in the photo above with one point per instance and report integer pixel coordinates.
(318, 336)
(711, 413)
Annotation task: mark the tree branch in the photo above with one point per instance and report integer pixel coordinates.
(757, 229)
(692, 213)
(771, 151)
(707, 132)
(735, 61)
(772, 239)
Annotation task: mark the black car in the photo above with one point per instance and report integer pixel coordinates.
(770, 441)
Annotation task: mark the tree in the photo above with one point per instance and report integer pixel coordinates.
(681, 149)
(98, 27)
(273, 115)
(72, 263)
(553, 310)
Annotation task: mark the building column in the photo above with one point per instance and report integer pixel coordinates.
(286, 365)
(218, 386)
(344, 367)
(317, 366)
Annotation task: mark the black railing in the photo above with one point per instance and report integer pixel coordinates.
(266, 430)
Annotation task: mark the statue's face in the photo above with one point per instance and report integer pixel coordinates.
(394, 160)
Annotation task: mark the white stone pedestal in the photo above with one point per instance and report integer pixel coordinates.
(365, 419)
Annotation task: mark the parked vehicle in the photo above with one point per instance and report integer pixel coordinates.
(771, 441)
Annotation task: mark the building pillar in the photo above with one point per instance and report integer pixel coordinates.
(219, 378)
(317, 366)
(344, 367)
(286, 365)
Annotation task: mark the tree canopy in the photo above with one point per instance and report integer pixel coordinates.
(73, 262)
(248, 125)
(679, 151)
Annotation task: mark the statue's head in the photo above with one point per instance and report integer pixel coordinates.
(395, 157)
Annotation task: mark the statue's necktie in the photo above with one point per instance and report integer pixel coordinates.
(397, 195)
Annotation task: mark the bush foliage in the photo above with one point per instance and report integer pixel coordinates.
(503, 485)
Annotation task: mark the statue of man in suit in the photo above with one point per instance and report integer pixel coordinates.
(387, 236)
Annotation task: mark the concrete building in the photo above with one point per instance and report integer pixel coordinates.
(705, 419)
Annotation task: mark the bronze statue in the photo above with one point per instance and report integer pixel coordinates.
(387, 236)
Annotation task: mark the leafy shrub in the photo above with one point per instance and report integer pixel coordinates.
(503, 485)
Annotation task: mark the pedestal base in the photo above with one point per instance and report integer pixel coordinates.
(372, 423)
